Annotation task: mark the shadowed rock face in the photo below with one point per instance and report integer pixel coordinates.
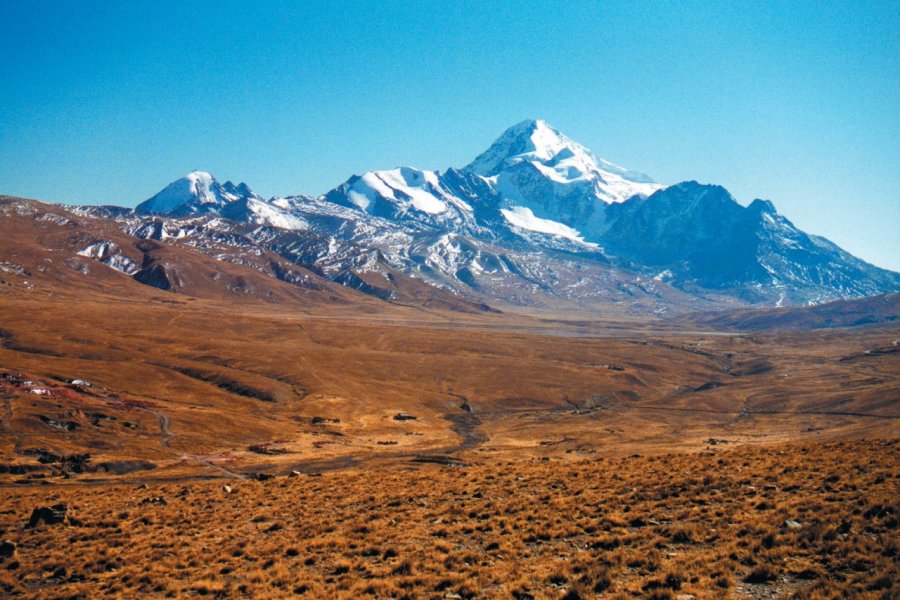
(698, 235)
(155, 276)
(123, 467)
(51, 515)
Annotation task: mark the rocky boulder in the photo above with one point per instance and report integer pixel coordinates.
(51, 515)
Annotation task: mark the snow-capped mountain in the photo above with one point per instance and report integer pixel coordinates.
(536, 219)
(535, 144)
(541, 175)
(197, 192)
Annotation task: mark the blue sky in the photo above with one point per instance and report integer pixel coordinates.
(797, 102)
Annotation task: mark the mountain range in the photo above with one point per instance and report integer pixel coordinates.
(536, 220)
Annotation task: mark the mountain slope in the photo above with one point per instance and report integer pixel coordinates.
(55, 250)
(699, 236)
(47, 249)
(840, 313)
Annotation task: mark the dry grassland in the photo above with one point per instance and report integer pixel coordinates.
(800, 520)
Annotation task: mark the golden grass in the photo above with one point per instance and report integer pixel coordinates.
(202, 387)
(709, 524)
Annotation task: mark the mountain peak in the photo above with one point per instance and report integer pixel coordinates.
(763, 206)
(198, 192)
(529, 140)
(535, 145)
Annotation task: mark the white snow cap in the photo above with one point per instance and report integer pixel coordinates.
(419, 190)
(195, 187)
(200, 183)
(530, 140)
(523, 218)
(196, 192)
(560, 159)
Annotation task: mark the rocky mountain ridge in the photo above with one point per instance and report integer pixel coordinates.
(535, 220)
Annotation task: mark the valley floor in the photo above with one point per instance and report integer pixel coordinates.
(214, 449)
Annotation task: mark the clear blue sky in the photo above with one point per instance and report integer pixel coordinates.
(798, 102)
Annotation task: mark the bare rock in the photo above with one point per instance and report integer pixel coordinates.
(320, 420)
(51, 515)
(8, 548)
(155, 500)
